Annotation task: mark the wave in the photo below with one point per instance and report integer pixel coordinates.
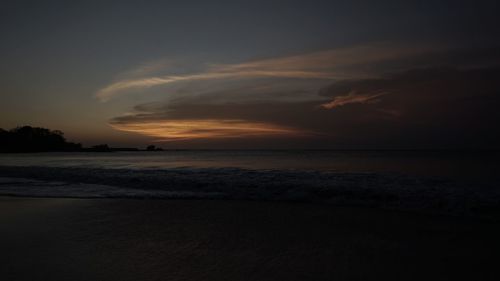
(386, 190)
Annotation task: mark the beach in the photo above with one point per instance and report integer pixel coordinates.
(134, 239)
(223, 215)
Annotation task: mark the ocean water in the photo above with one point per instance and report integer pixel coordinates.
(436, 181)
(463, 165)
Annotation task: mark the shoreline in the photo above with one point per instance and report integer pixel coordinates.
(379, 190)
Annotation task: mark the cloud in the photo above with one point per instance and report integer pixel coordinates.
(109, 91)
(426, 108)
(190, 129)
(378, 95)
(430, 107)
(343, 63)
(352, 97)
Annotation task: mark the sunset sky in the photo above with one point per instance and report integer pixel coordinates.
(254, 74)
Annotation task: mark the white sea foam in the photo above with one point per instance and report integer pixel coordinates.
(40, 188)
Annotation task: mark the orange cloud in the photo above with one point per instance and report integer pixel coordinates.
(323, 65)
(352, 97)
(174, 130)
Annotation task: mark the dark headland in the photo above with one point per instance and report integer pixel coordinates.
(24, 139)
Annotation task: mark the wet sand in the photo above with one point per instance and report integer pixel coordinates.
(124, 239)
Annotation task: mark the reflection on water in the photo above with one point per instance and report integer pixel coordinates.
(464, 165)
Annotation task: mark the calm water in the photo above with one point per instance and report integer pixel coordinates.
(462, 165)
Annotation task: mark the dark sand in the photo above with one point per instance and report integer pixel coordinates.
(118, 239)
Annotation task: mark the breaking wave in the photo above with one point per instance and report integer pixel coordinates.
(386, 190)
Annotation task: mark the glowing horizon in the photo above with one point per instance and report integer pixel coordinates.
(175, 130)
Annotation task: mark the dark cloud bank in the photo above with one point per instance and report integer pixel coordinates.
(421, 108)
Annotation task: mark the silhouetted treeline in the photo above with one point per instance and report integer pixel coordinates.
(153, 148)
(34, 139)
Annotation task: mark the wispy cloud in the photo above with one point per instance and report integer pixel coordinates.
(333, 64)
(111, 90)
(352, 97)
(175, 130)
(329, 60)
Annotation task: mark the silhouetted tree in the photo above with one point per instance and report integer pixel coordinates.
(101, 148)
(4, 139)
(34, 139)
(153, 148)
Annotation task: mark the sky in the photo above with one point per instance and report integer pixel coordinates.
(254, 74)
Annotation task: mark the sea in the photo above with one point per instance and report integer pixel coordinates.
(438, 180)
(474, 165)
